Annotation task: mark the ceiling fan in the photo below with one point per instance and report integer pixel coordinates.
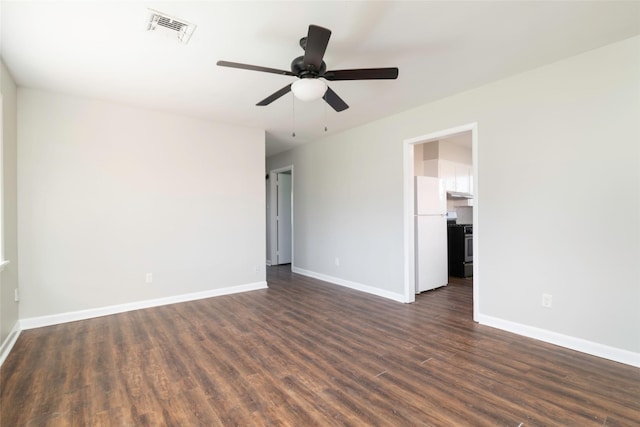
(310, 67)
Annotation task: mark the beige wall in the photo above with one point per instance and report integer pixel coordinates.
(418, 162)
(430, 151)
(455, 153)
(108, 193)
(545, 193)
(442, 149)
(8, 277)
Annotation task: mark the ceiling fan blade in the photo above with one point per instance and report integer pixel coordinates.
(334, 100)
(269, 99)
(317, 41)
(253, 68)
(362, 74)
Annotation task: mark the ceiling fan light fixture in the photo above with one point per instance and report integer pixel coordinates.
(309, 89)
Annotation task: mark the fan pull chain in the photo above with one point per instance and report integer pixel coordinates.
(293, 116)
(325, 113)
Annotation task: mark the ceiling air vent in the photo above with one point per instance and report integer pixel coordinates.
(170, 26)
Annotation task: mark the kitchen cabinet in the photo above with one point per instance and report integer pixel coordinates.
(447, 172)
(464, 178)
(455, 176)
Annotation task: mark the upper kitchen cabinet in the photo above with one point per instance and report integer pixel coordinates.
(464, 178)
(456, 176)
(448, 159)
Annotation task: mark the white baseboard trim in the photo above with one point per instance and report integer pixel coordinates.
(54, 319)
(589, 347)
(9, 342)
(348, 284)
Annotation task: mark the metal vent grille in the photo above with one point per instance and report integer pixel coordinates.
(172, 24)
(168, 25)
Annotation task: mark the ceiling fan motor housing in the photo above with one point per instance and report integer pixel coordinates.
(306, 71)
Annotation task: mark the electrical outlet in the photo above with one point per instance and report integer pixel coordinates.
(337, 261)
(547, 300)
(148, 278)
(258, 269)
(16, 295)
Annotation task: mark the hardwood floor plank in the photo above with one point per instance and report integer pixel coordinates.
(304, 352)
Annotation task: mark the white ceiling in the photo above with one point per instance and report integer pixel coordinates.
(102, 49)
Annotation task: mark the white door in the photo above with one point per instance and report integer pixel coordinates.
(283, 218)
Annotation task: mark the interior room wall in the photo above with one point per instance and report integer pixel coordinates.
(544, 185)
(9, 276)
(455, 153)
(427, 151)
(345, 196)
(109, 193)
(418, 162)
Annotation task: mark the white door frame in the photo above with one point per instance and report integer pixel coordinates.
(409, 227)
(273, 206)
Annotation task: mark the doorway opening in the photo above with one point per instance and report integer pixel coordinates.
(415, 152)
(280, 216)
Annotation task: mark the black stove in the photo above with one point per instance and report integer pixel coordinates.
(468, 228)
(460, 249)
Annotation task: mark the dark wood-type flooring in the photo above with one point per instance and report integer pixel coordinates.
(307, 353)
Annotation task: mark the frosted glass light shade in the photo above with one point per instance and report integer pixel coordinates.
(309, 89)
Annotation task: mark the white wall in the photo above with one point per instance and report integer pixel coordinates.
(347, 193)
(453, 152)
(418, 159)
(9, 276)
(547, 196)
(108, 193)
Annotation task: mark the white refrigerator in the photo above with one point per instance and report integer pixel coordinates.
(430, 233)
